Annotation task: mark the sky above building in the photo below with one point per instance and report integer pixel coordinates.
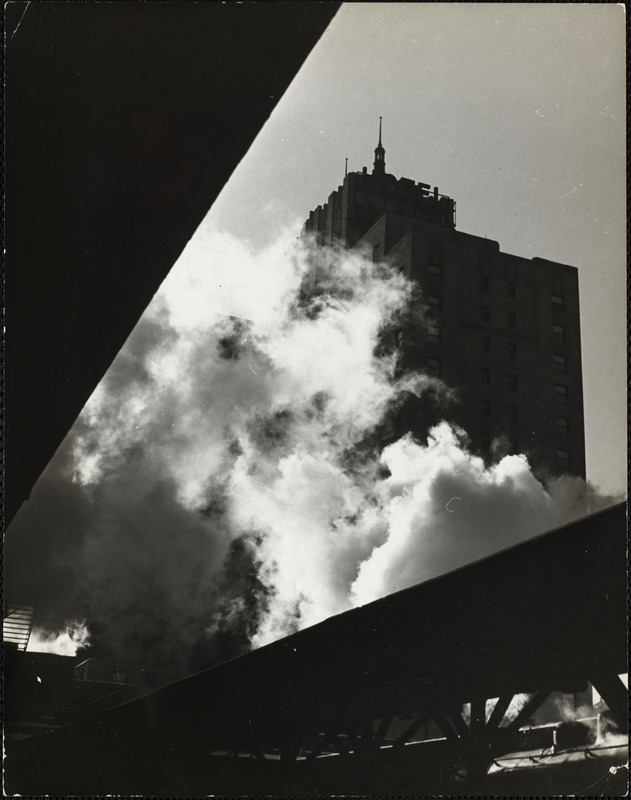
(515, 110)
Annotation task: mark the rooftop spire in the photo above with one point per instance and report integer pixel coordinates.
(379, 167)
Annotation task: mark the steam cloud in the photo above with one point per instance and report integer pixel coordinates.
(224, 485)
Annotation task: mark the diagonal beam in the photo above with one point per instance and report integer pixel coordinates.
(330, 739)
(409, 732)
(382, 731)
(289, 751)
(528, 710)
(459, 724)
(446, 728)
(499, 710)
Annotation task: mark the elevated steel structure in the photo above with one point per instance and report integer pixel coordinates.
(548, 614)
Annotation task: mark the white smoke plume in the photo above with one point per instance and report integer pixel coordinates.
(75, 637)
(226, 476)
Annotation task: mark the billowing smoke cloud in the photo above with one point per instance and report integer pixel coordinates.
(75, 637)
(225, 485)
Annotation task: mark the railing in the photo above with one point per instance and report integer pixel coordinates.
(17, 624)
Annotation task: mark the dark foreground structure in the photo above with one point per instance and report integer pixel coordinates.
(336, 708)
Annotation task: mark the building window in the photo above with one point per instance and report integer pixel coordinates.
(485, 376)
(486, 408)
(558, 333)
(561, 426)
(485, 344)
(433, 334)
(485, 314)
(486, 441)
(512, 350)
(563, 458)
(484, 283)
(376, 253)
(435, 271)
(510, 289)
(512, 320)
(512, 381)
(434, 303)
(434, 367)
(512, 415)
(560, 392)
(560, 362)
(557, 302)
(435, 248)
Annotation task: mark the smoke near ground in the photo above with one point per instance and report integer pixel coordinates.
(223, 486)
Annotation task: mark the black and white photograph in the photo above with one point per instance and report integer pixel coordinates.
(315, 403)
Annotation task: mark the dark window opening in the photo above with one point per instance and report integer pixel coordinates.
(558, 333)
(434, 366)
(485, 344)
(512, 350)
(484, 283)
(485, 375)
(512, 381)
(512, 320)
(433, 334)
(435, 271)
(562, 426)
(485, 313)
(510, 290)
(560, 362)
(560, 393)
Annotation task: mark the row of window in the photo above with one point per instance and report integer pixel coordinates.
(562, 455)
(511, 317)
(560, 390)
(561, 423)
(434, 367)
(512, 412)
(434, 336)
(485, 285)
(560, 360)
(435, 304)
(435, 271)
(485, 373)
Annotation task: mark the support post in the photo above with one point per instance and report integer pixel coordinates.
(615, 694)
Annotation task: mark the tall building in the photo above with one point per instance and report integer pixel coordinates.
(502, 330)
